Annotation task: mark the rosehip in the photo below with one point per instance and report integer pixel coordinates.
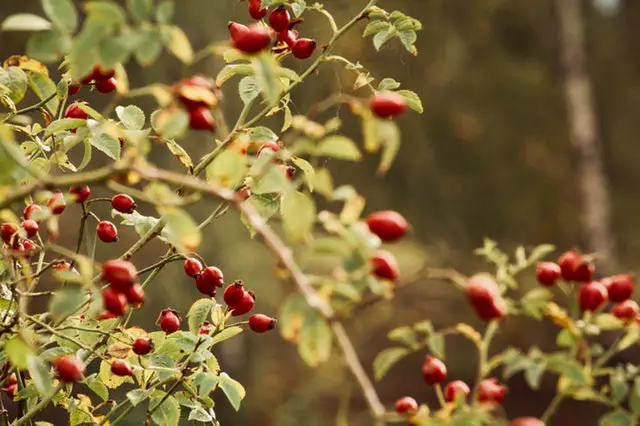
(626, 310)
(30, 227)
(69, 368)
(142, 346)
(288, 171)
(74, 89)
(169, 321)
(575, 267)
(433, 370)
(489, 390)
(384, 265)
(406, 405)
(30, 210)
(234, 293)
(454, 388)
(192, 267)
(29, 247)
(114, 302)
(245, 305)
(260, 323)
(527, 421)
(592, 296)
(200, 118)
(80, 193)
(547, 273)
(484, 295)
(120, 367)
(11, 380)
(303, 48)
(251, 39)
(272, 146)
(256, 10)
(288, 37)
(388, 225)
(208, 279)
(280, 19)
(62, 266)
(7, 231)
(99, 74)
(56, 203)
(196, 100)
(107, 232)
(11, 390)
(74, 111)
(106, 316)
(121, 274)
(106, 86)
(206, 328)
(387, 104)
(621, 287)
(135, 295)
(123, 203)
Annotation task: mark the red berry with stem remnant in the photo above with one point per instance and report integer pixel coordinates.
(56, 203)
(234, 293)
(303, 48)
(455, 388)
(135, 295)
(169, 321)
(123, 203)
(260, 323)
(620, 287)
(251, 39)
(107, 232)
(73, 89)
(30, 227)
(69, 368)
(433, 370)
(11, 380)
(256, 11)
(121, 274)
(192, 267)
(212, 276)
(384, 265)
(200, 118)
(575, 267)
(245, 305)
(29, 247)
(74, 111)
(142, 346)
(387, 104)
(11, 390)
(288, 37)
(114, 301)
(120, 367)
(388, 225)
(100, 74)
(269, 146)
(280, 19)
(484, 295)
(406, 405)
(548, 273)
(490, 391)
(31, 210)
(7, 231)
(592, 296)
(80, 193)
(626, 310)
(527, 421)
(106, 86)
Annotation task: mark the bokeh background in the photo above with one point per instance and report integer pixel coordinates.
(490, 157)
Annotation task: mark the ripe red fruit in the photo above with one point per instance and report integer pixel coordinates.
(193, 100)
(99, 74)
(406, 405)
(29, 247)
(135, 295)
(80, 193)
(11, 390)
(234, 293)
(489, 390)
(433, 370)
(527, 421)
(56, 203)
(11, 380)
(107, 232)
(7, 231)
(245, 305)
(288, 171)
(63, 266)
(74, 111)
(626, 310)
(251, 39)
(114, 302)
(288, 37)
(120, 367)
(592, 295)
(123, 203)
(256, 10)
(547, 273)
(303, 48)
(121, 274)
(106, 86)
(387, 104)
(30, 210)
(142, 346)
(209, 279)
(73, 89)
(260, 323)
(200, 118)
(69, 368)
(454, 388)
(30, 227)
(484, 295)
(169, 321)
(575, 267)
(620, 287)
(106, 316)
(384, 265)
(272, 146)
(388, 225)
(192, 267)
(206, 328)
(280, 19)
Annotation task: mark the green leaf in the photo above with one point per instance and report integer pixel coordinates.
(62, 13)
(136, 396)
(436, 344)
(388, 84)
(105, 143)
(25, 22)
(178, 43)
(142, 224)
(165, 11)
(234, 391)
(205, 382)
(413, 100)
(43, 87)
(41, 375)
(619, 386)
(131, 117)
(307, 169)
(405, 335)
(533, 373)
(149, 47)
(198, 313)
(66, 300)
(265, 68)
(180, 229)
(408, 39)
(298, 215)
(298, 7)
(140, 10)
(170, 123)
(375, 27)
(340, 147)
(387, 359)
(315, 341)
(226, 333)
(53, 353)
(262, 134)
(18, 352)
(249, 89)
(97, 387)
(14, 79)
(106, 12)
(48, 46)
(228, 169)
(231, 70)
(634, 396)
(382, 37)
(608, 322)
(616, 418)
(166, 414)
(198, 414)
(64, 124)
(568, 368)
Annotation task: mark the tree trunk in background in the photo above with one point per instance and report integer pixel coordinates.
(595, 208)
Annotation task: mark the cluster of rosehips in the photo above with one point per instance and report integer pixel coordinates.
(197, 95)
(574, 266)
(389, 226)
(10, 385)
(122, 289)
(255, 38)
(102, 80)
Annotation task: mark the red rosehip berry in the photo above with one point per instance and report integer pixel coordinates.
(73, 89)
(288, 37)
(7, 232)
(62, 266)
(234, 293)
(106, 316)
(455, 388)
(251, 39)
(135, 295)
(574, 267)
(620, 287)
(209, 279)
(11, 390)
(80, 193)
(433, 370)
(387, 104)
(206, 328)
(30, 211)
(270, 146)
(107, 232)
(288, 171)
(484, 295)
(384, 265)
(280, 19)
(114, 302)
(388, 225)
(303, 48)
(406, 405)
(100, 74)
(192, 101)
(30, 227)
(169, 321)
(548, 273)
(56, 203)
(11, 380)
(626, 310)
(256, 11)
(123, 203)
(120, 367)
(106, 86)
(121, 274)
(527, 421)
(200, 118)
(142, 346)
(260, 323)
(74, 111)
(245, 305)
(592, 296)
(192, 267)
(29, 247)
(69, 368)
(489, 390)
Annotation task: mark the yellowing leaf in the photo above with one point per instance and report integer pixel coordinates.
(298, 215)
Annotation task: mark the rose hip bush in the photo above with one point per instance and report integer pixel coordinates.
(273, 177)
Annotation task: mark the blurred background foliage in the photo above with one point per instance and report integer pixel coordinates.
(489, 157)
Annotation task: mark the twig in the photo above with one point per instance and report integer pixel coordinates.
(38, 105)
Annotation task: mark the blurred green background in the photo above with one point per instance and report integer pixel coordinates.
(489, 157)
